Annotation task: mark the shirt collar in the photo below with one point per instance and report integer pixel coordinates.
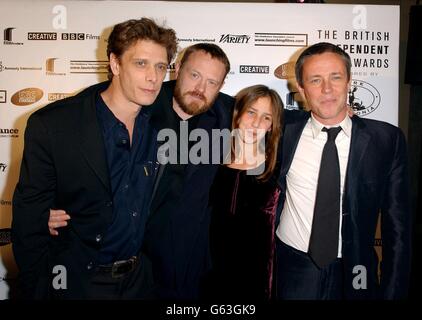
(108, 120)
(316, 126)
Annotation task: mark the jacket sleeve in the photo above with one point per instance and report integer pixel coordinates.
(396, 225)
(32, 199)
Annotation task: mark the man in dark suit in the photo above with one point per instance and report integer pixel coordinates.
(94, 156)
(176, 238)
(325, 240)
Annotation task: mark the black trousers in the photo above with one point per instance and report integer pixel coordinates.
(298, 278)
(136, 284)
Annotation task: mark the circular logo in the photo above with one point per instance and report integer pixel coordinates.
(364, 98)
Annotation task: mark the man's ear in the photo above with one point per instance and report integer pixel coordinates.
(301, 91)
(349, 85)
(177, 68)
(114, 64)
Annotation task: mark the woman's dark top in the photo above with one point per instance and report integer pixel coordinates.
(242, 235)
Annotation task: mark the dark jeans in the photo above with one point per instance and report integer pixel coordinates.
(298, 278)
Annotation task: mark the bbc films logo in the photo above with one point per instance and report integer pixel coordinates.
(3, 96)
(234, 38)
(43, 36)
(363, 98)
(78, 36)
(8, 37)
(27, 96)
(73, 36)
(50, 67)
(275, 39)
(9, 133)
(89, 66)
(254, 69)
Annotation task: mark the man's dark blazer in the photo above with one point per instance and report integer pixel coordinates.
(376, 181)
(64, 166)
(176, 239)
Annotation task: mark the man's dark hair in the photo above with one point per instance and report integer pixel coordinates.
(127, 33)
(320, 48)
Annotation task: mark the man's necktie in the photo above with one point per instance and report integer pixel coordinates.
(323, 244)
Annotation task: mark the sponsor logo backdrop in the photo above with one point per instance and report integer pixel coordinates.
(51, 50)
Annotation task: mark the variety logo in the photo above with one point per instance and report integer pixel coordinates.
(234, 38)
(9, 133)
(42, 35)
(364, 98)
(3, 96)
(27, 96)
(8, 37)
(49, 68)
(254, 69)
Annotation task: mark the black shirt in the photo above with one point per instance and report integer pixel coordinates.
(131, 170)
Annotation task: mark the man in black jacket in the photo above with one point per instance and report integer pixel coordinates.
(176, 238)
(93, 155)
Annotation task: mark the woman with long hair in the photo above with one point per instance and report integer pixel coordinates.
(243, 200)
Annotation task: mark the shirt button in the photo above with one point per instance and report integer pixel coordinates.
(124, 141)
(134, 213)
(98, 238)
(109, 203)
(90, 266)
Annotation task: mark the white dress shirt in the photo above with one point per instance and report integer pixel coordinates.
(295, 224)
